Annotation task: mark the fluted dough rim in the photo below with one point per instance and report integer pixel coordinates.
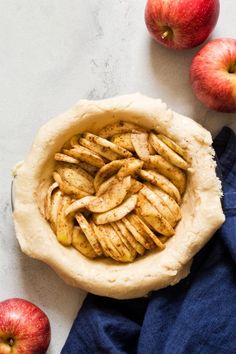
(201, 208)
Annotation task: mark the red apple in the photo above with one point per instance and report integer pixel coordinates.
(24, 328)
(181, 23)
(213, 75)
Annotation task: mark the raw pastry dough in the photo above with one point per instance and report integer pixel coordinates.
(201, 207)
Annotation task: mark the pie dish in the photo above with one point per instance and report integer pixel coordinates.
(201, 208)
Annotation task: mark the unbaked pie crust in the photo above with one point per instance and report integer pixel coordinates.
(201, 207)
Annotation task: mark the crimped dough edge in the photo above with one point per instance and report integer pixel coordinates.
(201, 207)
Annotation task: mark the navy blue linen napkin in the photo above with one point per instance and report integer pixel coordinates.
(198, 315)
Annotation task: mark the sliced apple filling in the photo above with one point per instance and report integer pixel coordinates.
(118, 193)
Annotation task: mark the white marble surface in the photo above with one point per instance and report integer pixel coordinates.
(54, 52)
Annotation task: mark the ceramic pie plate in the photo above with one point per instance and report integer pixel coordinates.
(201, 207)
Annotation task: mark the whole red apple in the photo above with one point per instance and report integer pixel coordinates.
(24, 328)
(181, 24)
(213, 75)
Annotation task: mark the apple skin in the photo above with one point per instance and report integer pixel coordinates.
(181, 24)
(24, 328)
(213, 75)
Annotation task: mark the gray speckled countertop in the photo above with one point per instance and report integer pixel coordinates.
(53, 53)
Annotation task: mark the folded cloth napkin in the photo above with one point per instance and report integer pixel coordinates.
(198, 315)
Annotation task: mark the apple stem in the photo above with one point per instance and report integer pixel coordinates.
(10, 341)
(165, 34)
(232, 68)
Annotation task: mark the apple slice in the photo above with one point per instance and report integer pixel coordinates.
(158, 203)
(119, 128)
(80, 242)
(89, 233)
(161, 182)
(136, 186)
(112, 197)
(151, 149)
(108, 144)
(66, 188)
(100, 150)
(56, 202)
(123, 140)
(169, 202)
(170, 155)
(65, 158)
(173, 146)
(110, 239)
(130, 167)
(76, 177)
(79, 204)
(74, 141)
(131, 249)
(64, 224)
(118, 248)
(142, 226)
(105, 185)
(130, 238)
(48, 200)
(107, 171)
(99, 232)
(117, 213)
(141, 145)
(86, 155)
(92, 170)
(128, 254)
(142, 239)
(173, 173)
(132, 218)
(150, 214)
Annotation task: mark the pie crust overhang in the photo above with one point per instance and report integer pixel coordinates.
(201, 208)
